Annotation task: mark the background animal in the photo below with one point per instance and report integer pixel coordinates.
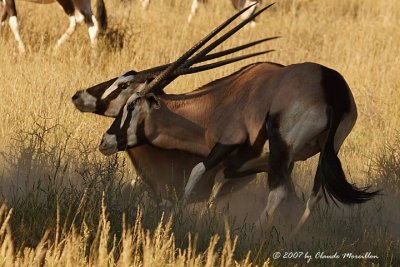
(77, 11)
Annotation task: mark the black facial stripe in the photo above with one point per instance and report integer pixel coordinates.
(102, 104)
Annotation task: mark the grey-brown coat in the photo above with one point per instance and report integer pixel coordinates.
(301, 109)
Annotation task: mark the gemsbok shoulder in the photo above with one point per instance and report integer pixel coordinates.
(301, 110)
(165, 171)
(77, 10)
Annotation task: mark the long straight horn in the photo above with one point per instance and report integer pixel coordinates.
(144, 75)
(154, 83)
(224, 37)
(235, 49)
(218, 64)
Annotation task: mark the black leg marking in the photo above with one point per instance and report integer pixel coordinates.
(10, 8)
(279, 166)
(68, 6)
(3, 14)
(218, 154)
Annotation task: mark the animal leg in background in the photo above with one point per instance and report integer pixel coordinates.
(11, 11)
(250, 12)
(90, 20)
(145, 3)
(69, 9)
(193, 10)
(3, 13)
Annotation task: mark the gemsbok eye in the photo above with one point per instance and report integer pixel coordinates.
(124, 85)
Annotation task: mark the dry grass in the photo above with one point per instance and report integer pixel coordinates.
(53, 177)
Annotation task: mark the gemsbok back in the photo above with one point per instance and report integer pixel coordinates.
(164, 170)
(77, 10)
(301, 110)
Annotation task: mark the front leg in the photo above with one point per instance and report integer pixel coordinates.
(217, 155)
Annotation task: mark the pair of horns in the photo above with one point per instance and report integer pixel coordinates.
(183, 62)
(151, 73)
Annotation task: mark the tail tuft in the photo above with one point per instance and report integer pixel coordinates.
(333, 179)
(335, 184)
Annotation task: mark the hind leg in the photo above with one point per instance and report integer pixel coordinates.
(280, 165)
(312, 201)
(90, 20)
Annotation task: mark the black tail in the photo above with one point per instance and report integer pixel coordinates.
(101, 14)
(332, 177)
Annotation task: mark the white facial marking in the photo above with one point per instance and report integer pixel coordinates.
(68, 32)
(115, 105)
(124, 115)
(109, 144)
(114, 86)
(14, 28)
(89, 101)
(195, 175)
(132, 129)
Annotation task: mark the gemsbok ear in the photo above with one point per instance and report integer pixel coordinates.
(153, 101)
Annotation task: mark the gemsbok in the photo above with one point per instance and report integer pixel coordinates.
(77, 10)
(301, 110)
(237, 4)
(163, 170)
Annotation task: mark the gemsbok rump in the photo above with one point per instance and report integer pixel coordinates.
(164, 170)
(300, 109)
(77, 10)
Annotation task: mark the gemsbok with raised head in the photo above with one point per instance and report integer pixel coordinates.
(301, 110)
(77, 10)
(237, 4)
(163, 170)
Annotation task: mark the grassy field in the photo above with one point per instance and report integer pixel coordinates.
(66, 204)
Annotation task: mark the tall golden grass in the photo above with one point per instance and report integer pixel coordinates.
(45, 140)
